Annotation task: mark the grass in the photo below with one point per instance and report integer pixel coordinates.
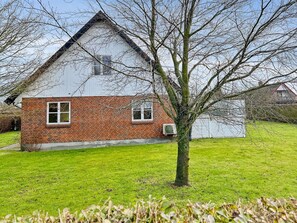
(221, 170)
(9, 138)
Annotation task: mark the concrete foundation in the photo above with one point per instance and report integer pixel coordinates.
(94, 144)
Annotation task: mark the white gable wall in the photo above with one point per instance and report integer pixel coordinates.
(72, 73)
(281, 88)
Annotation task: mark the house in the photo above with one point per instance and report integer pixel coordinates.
(285, 93)
(278, 93)
(76, 100)
(276, 102)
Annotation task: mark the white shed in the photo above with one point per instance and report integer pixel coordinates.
(227, 119)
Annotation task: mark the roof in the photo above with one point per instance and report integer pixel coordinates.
(292, 86)
(99, 17)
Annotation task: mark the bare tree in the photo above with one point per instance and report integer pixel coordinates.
(19, 33)
(203, 52)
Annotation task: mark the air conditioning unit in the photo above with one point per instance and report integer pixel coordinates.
(169, 129)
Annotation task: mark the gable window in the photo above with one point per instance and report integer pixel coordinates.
(58, 113)
(283, 94)
(102, 65)
(142, 111)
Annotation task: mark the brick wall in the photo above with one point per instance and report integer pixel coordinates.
(92, 119)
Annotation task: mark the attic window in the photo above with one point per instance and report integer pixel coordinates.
(102, 65)
(283, 94)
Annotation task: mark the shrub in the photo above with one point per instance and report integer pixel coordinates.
(263, 210)
(9, 123)
(274, 112)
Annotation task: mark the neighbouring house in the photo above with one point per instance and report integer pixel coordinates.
(279, 93)
(76, 100)
(285, 93)
(277, 102)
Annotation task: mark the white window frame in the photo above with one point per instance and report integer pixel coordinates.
(142, 111)
(101, 65)
(58, 113)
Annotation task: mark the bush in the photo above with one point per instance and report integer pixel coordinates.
(274, 112)
(9, 123)
(263, 210)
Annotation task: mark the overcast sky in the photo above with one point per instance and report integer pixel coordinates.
(68, 5)
(70, 9)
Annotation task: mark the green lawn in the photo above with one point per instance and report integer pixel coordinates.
(221, 170)
(9, 138)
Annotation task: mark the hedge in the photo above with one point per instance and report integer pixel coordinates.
(262, 210)
(9, 123)
(274, 112)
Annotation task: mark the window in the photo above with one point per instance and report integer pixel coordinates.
(102, 65)
(142, 111)
(283, 94)
(58, 112)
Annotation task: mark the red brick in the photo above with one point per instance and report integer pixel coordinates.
(92, 119)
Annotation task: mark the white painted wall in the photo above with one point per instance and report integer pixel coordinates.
(232, 125)
(281, 88)
(72, 73)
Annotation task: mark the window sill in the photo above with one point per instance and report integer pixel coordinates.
(58, 125)
(141, 122)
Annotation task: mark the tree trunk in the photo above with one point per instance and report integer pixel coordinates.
(182, 168)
